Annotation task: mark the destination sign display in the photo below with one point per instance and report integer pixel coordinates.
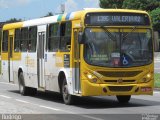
(111, 19)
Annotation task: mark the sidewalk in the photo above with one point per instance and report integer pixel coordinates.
(157, 56)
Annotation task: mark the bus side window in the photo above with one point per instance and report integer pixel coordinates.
(65, 34)
(24, 40)
(53, 37)
(17, 40)
(5, 41)
(32, 41)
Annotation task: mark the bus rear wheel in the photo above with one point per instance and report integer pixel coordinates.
(22, 89)
(67, 98)
(123, 98)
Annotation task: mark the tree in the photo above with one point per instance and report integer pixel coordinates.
(49, 14)
(111, 3)
(12, 20)
(155, 15)
(147, 5)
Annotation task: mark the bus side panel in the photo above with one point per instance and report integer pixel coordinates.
(51, 72)
(16, 63)
(24, 62)
(4, 65)
(31, 67)
(66, 70)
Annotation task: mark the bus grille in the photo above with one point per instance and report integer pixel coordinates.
(120, 88)
(116, 81)
(119, 74)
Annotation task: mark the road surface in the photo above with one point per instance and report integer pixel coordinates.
(90, 108)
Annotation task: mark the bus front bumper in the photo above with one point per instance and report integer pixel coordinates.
(92, 89)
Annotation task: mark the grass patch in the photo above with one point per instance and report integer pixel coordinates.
(157, 80)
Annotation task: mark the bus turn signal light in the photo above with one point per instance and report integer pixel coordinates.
(94, 80)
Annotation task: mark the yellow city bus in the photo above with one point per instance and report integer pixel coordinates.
(93, 52)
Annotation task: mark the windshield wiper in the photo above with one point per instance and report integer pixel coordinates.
(108, 33)
(133, 29)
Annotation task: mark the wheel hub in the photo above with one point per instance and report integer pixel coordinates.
(65, 92)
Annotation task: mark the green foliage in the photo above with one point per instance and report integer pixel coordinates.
(49, 14)
(157, 80)
(147, 5)
(155, 15)
(12, 20)
(111, 3)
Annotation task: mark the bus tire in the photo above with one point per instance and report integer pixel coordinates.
(67, 98)
(22, 88)
(123, 98)
(32, 91)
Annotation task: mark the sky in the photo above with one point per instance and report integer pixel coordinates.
(31, 9)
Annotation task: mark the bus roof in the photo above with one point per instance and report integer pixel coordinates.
(64, 17)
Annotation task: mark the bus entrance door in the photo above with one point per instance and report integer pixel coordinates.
(10, 55)
(40, 59)
(76, 70)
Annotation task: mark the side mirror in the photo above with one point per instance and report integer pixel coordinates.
(81, 38)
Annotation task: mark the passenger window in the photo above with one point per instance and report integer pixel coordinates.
(53, 37)
(24, 40)
(32, 41)
(5, 41)
(65, 41)
(17, 40)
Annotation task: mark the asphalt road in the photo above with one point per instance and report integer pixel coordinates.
(47, 106)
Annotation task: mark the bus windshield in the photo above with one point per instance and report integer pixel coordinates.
(110, 47)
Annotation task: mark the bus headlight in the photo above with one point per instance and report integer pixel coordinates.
(149, 75)
(89, 76)
(146, 78)
(92, 78)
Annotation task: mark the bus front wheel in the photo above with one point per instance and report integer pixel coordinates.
(67, 98)
(123, 98)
